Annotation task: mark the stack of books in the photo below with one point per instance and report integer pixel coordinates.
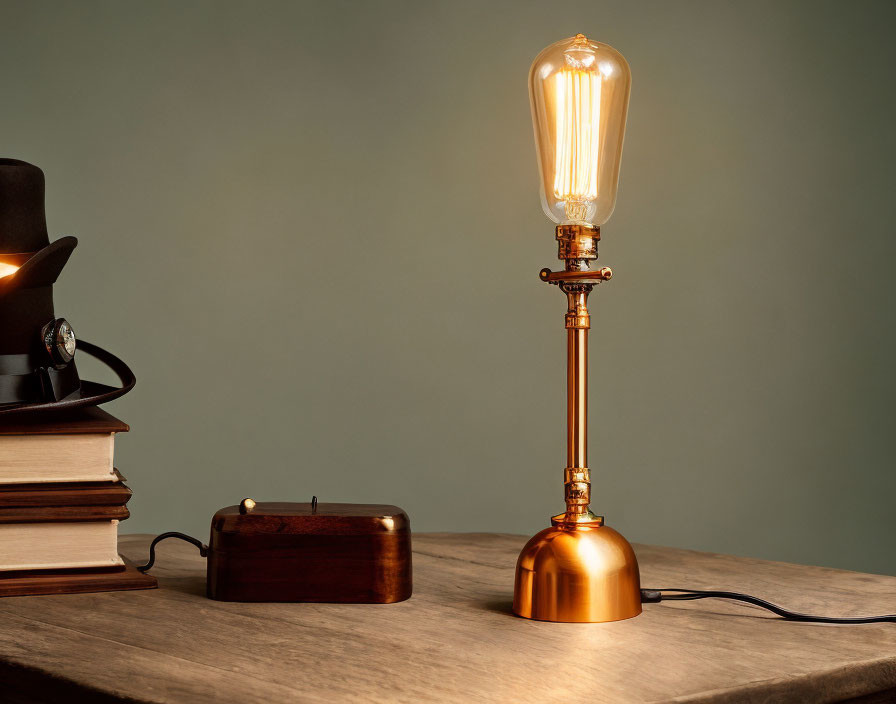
(61, 499)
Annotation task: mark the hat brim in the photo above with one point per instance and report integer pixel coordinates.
(89, 394)
(42, 268)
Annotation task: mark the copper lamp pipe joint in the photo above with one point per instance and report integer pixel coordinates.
(577, 244)
(577, 317)
(577, 491)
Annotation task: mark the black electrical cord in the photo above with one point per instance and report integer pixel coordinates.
(649, 596)
(203, 549)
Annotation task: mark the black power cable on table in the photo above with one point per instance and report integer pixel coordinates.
(203, 549)
(651, 596)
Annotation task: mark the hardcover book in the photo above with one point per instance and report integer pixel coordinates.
(38, 546)
(77, 447)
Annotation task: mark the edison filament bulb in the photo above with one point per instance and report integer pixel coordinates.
(579, 91)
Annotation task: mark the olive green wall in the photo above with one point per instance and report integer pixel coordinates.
(314, 231)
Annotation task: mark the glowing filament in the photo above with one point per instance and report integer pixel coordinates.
(577, 99)
(7, 269)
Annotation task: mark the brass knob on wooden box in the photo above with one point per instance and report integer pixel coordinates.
(247, 505)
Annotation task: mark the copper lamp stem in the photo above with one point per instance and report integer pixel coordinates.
(577, 479)
(579, 570)
(577, 386)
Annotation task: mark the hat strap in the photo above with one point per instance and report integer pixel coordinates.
(22, 381)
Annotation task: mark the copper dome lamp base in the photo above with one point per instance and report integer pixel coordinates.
(584, 573)
(578, 570)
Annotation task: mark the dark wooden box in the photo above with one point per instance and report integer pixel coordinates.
(340, 553)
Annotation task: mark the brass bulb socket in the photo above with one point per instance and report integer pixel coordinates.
(577, 241)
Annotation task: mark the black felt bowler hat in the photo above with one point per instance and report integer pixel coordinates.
(37, 349)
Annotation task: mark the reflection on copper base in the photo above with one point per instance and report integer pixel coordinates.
(582, 573)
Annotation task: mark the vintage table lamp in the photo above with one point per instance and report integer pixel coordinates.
(579, 569)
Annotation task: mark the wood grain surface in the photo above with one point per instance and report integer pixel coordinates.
(455, 640)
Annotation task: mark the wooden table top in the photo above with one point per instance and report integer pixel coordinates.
(455, 640)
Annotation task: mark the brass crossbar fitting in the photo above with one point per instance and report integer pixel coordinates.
(588, 276)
